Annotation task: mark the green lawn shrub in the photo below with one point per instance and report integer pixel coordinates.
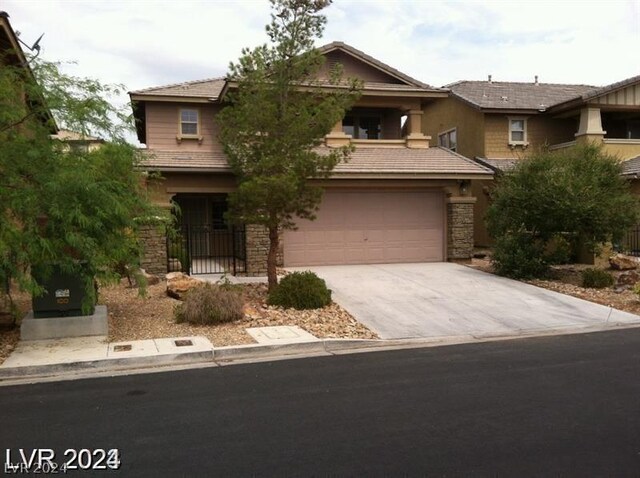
(301, 290)
(596, 279)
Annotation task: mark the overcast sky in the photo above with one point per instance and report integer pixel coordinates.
(148, 43)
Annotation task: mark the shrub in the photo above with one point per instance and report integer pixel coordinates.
(596, 279)
(578, 194)
(301, 290)
(209, 304)
(519, 257)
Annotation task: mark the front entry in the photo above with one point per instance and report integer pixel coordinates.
(205, 243)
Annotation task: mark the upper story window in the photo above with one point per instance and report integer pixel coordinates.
(517, 131)
(362, 127)
(449, 139)
(189, 122)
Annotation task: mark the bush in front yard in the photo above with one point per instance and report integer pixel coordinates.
(565, 202)
(209, 304)
(518, 257)
(301, 290)
(596, 279)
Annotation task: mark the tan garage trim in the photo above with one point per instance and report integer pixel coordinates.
(370, 227)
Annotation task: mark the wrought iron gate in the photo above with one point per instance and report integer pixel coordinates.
(202, 249)
(631, 242)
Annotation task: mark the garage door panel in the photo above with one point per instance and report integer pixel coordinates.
(369, 227)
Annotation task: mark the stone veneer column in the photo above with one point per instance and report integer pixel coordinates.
(257, 239)
(154, 249)
(460, 227)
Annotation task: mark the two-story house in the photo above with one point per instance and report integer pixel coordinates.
(398, 199)
(497, 123)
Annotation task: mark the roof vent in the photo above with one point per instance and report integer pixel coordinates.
(504, 99)
(536, 80)
(489, 80)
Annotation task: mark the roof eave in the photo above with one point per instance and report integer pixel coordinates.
(172, 98)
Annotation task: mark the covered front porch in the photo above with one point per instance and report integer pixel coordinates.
(609, 116)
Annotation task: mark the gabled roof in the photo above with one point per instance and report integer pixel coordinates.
(208, 88)
(212, 88)
(360, 55)
(595, 92)
(397, 162)
(502, 95)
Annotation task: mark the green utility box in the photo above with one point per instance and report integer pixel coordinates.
(64, 294)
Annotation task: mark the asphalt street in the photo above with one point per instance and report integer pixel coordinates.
(567, 406)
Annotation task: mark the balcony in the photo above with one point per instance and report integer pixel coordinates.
(379, 128)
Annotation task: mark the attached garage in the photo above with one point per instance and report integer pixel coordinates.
(370, 227)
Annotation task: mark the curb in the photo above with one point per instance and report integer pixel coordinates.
(105, 364)
(244, 353)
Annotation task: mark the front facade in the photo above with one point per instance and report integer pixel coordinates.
(398, 199)
(497, 123)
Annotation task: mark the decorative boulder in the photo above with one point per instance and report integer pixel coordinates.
(628, 278)
(623, 262)
(178, 284)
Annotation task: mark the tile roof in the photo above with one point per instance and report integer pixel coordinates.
(435, 160)
(209, 88)
(631, 166)
(178, 160)
(364, 160)
(509, 95)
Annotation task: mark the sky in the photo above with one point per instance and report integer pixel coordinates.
(142, 43)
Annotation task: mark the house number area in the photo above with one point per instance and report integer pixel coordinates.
(44, 461)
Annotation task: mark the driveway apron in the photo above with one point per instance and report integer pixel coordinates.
(450, 300)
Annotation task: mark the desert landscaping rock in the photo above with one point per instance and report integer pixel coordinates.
(628, 279)
(136, 318)
(622, 262)
(178, 284)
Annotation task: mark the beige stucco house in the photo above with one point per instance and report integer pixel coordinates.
(497, 123)
(400, 198)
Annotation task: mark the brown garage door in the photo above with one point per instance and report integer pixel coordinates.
(367, 227)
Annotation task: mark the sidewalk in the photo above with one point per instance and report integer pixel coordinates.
(44, 358)
(80, 357)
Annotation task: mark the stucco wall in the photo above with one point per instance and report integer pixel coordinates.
(163, 125)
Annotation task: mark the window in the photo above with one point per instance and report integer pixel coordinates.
(517, 131)
(449, 139)
(362, 127)
(189, 122)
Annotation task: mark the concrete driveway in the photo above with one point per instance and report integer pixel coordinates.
(450, 300)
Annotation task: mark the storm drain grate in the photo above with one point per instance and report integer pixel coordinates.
(122, 348)
(183, 343)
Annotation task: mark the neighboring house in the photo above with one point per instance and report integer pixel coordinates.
(11, 54)
(78, 141)
(497, 123)
(398, 199)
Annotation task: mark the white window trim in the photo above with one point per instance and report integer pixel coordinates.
(180, 136)
(524, 141)
(446, 134)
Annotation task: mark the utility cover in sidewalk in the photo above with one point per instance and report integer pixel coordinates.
(284, 334)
